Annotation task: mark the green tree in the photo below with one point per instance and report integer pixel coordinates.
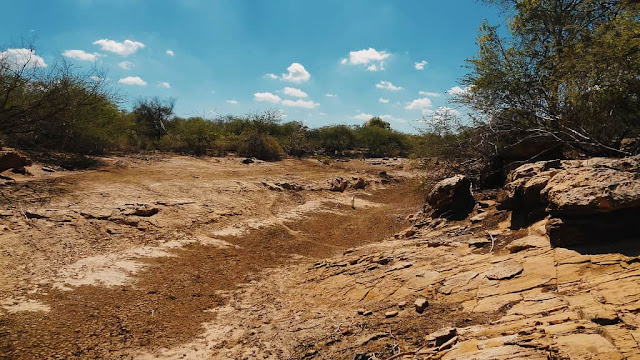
(377, 122)
(566, 76)
(152, 116)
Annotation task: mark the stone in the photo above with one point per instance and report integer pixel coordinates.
(421, 304)
(144, 211)
(528, 242)
(478, 218)
(441, 336)
(338, 184)
(587, 199)
(10, 159)
(402, 304)
(504, 271)
(359, 183)
(248, 161)
(452, 198)
(20, 170)
(630, 145)
(48, 169)
(390, 314)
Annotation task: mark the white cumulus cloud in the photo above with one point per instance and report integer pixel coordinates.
(266, 96)
(371, 59)
(422, 104)
(458, 91)
(124, 48)
(165, 85)
(127, 65)
(388, 86)
(170, 53)
(271, 76)
(289, 91)
(18, 58)
(420, 65)
(363, 117)
(383, 100)
(80, 55)
(428, 93)
(132, 80)
(296, 74)
(232, 102)
(307, 104)
(330, 95)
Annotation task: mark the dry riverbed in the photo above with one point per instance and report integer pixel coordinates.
(135, 257)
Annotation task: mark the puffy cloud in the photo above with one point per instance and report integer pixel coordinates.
(428, 93)
(374, 67)
(80, 55)
(363, 117)
(388, 86)
(170, 53)
(420, 65)
(289, 91)
(422, 104)
(266, 96)
(390, 118)
(96, 78)
(271, 76)
(458, 91)
(125, 48)
(132, 80)
(127, 65)
(372, 59)
(165, 85)
(18, 58)
(446, 111)
(383, 100)
(297, 74)
(232, 102)
(307, 104)
(330, 95)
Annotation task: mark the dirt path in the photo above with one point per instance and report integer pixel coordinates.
(108, 284)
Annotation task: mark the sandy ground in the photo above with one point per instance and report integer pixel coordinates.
(184, 258)
(137, 256)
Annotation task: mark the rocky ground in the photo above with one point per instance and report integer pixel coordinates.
(185, 258)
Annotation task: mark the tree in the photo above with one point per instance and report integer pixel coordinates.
(51, 106)
(377, 122)
(152, 116)
(566, 77)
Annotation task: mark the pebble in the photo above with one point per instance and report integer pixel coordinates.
(390, 314)
(421, 304)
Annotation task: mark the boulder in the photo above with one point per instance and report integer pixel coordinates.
(630, 145)
(359, 183)
(586, 198)
(338, 184)
(10, 159)
(452, 198)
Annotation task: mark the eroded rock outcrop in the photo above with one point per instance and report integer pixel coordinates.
(574, 193)
(10, 159)
(452, 198)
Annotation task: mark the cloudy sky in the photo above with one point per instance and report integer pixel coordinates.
(321, 62)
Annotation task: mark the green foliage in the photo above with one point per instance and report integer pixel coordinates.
(568, 72)
(195, 136)
(261, 146)
(377, 122)
(60, 110)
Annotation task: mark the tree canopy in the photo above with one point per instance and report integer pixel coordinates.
(567, 73)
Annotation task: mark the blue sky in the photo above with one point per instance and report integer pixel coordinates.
(321, 62)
